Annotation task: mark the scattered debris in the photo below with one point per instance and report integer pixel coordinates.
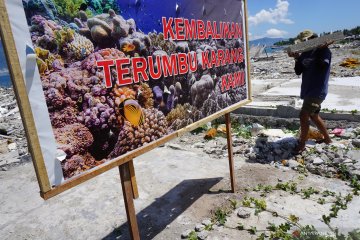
(350, 63)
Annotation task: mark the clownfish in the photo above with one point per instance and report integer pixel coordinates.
(128, 47)
(132, 112)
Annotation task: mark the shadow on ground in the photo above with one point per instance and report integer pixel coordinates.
(154, 219)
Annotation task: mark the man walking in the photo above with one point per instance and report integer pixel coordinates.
(314, 65)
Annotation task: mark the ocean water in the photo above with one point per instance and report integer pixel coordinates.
(148, 14)
(5, 81)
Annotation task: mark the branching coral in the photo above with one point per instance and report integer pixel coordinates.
(99, 113)
(42, 32)
(64, 117)
(78, 163)
(79, 48)
(47, 61)
(104, 54)
(100, 6)
(68, 9)
(63, 36)
(73, 139)
(130, 137)
(159, 43)
(182, 116)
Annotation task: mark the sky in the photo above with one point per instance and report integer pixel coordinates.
(286, 18)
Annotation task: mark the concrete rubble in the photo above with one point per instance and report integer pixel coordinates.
(13, 145)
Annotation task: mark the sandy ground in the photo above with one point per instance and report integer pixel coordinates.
(178, 189)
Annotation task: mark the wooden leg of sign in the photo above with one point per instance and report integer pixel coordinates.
(134, 187)
(129, 201)
(230, 151)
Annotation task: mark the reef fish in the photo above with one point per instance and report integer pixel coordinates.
(128, 47)
(177, 10)
(132, 112)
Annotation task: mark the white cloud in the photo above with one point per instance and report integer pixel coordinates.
(275, 33)
(274, 16)
(4, 72)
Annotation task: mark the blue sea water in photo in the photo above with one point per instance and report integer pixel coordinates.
(148, 14)
(4, 72)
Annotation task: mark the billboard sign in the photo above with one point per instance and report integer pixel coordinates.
(109, 80)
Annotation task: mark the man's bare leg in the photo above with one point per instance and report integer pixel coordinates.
(321, 126)
(304, 129)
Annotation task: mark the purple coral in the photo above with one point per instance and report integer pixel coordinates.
(99, 113)
(64, 117)
(73, 139)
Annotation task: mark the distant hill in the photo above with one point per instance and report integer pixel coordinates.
(265, 41)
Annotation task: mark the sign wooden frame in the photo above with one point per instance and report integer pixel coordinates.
(124, 162)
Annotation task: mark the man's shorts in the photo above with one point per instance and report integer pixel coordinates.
(312, 105)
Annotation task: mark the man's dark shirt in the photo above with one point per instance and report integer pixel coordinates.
(314, 66)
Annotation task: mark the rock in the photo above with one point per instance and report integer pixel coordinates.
(199, 227)
(203, 235)
(186, 234)
(237, 150)
(199, 145)
(270, 158)
(184, 140)
(354, 154)
(348, 135)
(338, 160)
(175, 146)
(206, 222)
(244, 212)
(252, 156)
(356, 143)
(273, 132)
(256, 128)
(4, 169)
(3, 146)
(293, 164)
(221, 128)
(278, 151)
(9, 158)
(318, 161)
(348, 161)
(210, 150)
(3, 111)
(12, 146)
(324, 157)
(318, 149)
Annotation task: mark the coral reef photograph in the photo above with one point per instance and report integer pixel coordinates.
(93, 123)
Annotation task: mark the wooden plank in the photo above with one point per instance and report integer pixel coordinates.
(230, 151)
(126, 185)
(134, 187)
(247, 51)
(22, 99)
